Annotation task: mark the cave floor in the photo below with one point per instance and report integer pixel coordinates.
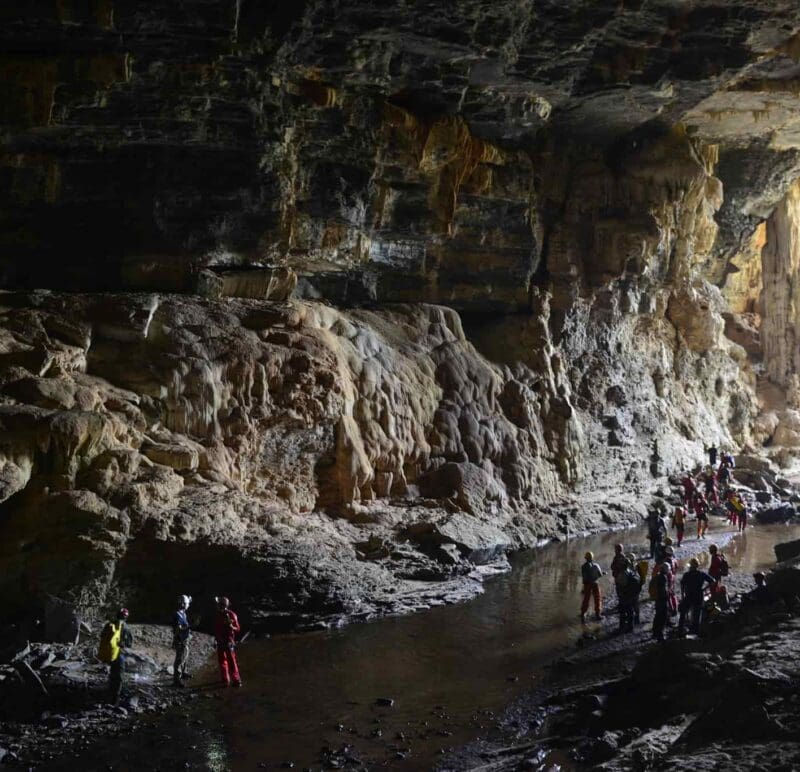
(311, 700)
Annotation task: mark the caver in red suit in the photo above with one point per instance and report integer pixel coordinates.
(226, 627)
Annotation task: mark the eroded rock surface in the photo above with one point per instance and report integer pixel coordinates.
(392, 288)
(297, 448)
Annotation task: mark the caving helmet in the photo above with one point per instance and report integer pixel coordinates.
(184, 601)
(589, 556)
(123, 613)
(618, 548)
(694, 563)
(223, 602)
(712, 548)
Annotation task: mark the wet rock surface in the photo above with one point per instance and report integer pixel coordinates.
(327, 464)
(624, 702)
(384, 307)
(54, 700)
(347, 300)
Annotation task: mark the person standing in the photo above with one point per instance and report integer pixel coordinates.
(628, 588)
(712, 456)
(742, 515)
(679, 523)
(672, 564)
(701, 511)
(662, 583)
(692, 584)
(114, 639)
(641, 568)
(226, 628)
(656, 530)
(182, 634)
(689, 488)
(618, 561)
(724, 478)
(719, 564)
(590, 574)
(710, 483)
(737, 511)
(761, 594)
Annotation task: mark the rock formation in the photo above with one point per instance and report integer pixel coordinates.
(320, 304)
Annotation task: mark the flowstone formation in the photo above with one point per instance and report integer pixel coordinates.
(328, 305)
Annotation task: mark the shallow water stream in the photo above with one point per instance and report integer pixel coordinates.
(446, 670)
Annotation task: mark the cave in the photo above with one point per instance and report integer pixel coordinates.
(373, 317)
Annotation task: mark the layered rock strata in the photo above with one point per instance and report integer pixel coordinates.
(307, 457)
(392, 287)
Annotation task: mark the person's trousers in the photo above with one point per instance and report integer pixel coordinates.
(228, 665)
(694, 609)
(660, 618)
(115, 671)
(181, 657)
(625, 616)
(591, 590)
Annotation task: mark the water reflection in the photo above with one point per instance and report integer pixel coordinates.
(443, 668)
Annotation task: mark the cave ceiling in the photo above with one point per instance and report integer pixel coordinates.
(232, 131)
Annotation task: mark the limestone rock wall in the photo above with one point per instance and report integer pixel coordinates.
(781, 290)
(391, 287)
(383, 152)
(257, 437)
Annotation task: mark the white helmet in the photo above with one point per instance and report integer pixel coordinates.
(185, 601)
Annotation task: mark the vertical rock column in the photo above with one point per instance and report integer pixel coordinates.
(780, 297)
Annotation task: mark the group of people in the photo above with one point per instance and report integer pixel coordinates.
(116, 637)
(710, 489)
(630, 574)
(630, 578)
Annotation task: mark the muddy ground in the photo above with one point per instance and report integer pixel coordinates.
(585, 709)
(727, 700)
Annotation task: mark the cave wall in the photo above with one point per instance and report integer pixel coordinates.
(383, 151)
(780, 308)
(339, 295)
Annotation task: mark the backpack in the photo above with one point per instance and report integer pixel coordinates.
(634, 584)
(108, 650)
(724, 569)
(652, 588)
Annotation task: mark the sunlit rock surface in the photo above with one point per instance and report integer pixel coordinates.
(344, 299)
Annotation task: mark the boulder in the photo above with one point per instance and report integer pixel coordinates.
(779, 514)
(754, 464)
(787, 550)
(785, 580)
(477, 541)
(751, 479)
(787, 432)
